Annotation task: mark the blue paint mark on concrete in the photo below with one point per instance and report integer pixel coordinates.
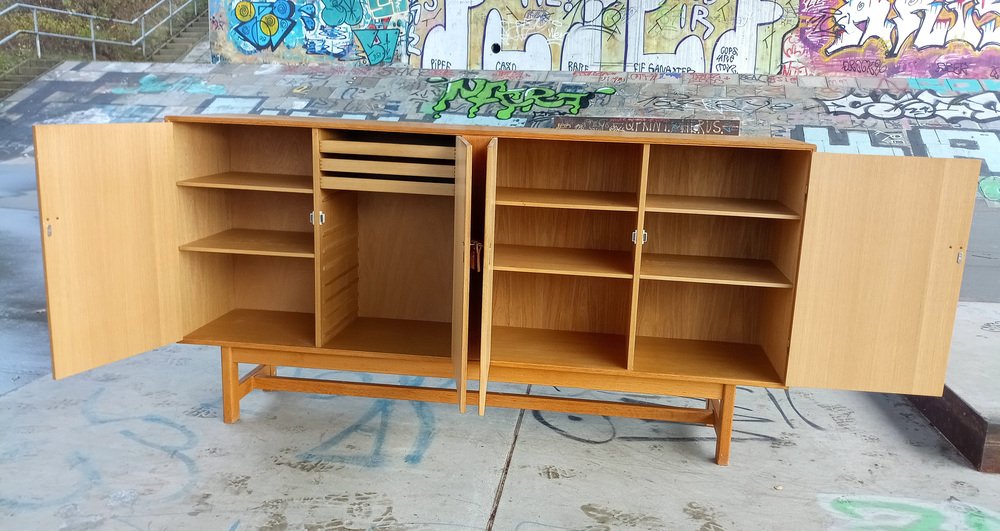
(173, 451)
(939, 85)
(78, 463)
(380, 410)
(152, 84)
(425, 435)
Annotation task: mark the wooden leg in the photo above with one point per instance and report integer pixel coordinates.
(269, 370)
(230, 387)
(723, 410)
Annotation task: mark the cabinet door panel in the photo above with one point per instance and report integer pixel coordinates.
(460, 286)
(880, 272)
(108, 207)
(489, 223)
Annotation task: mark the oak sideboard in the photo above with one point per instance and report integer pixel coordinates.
(681, 265)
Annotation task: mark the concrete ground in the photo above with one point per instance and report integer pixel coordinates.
(140, 443)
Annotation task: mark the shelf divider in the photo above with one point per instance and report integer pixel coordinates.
(256, 242)
(571, 199)
(386, 185)
(563, 261)
(263, 182)
(719, 206)
(712, 270)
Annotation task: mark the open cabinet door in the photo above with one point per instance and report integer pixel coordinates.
(108, 203)
(460, 286)
(489, 225)
(883, 250)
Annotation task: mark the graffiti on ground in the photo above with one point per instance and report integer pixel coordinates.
(922, 105)
(891, 513)
(482, 92)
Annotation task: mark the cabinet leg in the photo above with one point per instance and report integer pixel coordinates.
(724, 409)
(269, 370)
(230, 387)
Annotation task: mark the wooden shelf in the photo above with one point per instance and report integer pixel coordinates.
(256, 242)
(386, 185)
(400, 337)
(712, 270)
(563, 261)
(573, 199)
(263, 182)
(257, 327)
(708, 361)
(558, 349)
(719, 206)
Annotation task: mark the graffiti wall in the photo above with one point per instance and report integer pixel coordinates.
(918, 38)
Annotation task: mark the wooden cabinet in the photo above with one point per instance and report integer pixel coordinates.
(679, 265)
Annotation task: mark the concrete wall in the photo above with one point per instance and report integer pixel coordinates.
(918, 38)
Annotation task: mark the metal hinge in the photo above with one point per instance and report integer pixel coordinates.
(476, 262)
(635, 237)
(322, 217)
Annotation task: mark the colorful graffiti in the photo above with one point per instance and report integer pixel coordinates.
(926, 38)
(286, 31)
(482, 92)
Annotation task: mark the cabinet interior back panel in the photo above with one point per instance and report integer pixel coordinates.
(405, 252)
(562, 165)
(201, 150)
(284, 150)
(709, 312)
(553, 227)
(709, 235)
(714, 172)
(269, 211)
(273, 283)
(556, 302)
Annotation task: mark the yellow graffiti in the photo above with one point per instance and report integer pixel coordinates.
(245, 11)
(269, 24)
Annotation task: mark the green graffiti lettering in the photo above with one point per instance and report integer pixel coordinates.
(906, 516)
(481, 92)
(990, 188)
(977, 520)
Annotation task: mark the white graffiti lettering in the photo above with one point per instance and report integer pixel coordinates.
(923, 105)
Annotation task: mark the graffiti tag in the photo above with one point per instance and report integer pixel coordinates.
(922, 105)
(878, 512)
(482, 92)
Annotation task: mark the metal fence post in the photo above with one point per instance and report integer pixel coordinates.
(93, 41)
(142, 28)
(170, 16)
(38, 40)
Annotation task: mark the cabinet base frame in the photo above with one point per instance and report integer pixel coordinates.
(718, 412)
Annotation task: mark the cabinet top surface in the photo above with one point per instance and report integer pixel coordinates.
(500, 132)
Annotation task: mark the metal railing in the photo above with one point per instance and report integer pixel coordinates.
(174, 9)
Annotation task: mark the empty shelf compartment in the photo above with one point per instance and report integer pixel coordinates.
(712, 270)
(256, 242)
(563, 261)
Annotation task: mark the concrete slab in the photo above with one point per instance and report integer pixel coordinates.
(139, 444)
(975, 358)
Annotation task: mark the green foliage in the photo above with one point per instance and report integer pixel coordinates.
(23, 47)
